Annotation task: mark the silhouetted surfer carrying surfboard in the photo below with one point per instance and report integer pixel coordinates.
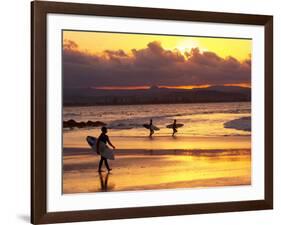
(150, 127)
(174, 126)
(105, 139)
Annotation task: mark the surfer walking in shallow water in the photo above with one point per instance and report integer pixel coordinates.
(174, 128)
(151, 128)
(105, 139)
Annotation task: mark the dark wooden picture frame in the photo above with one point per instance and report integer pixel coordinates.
(39, 11)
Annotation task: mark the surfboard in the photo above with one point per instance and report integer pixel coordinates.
(147, 126)
(177, 125)
(104, 150)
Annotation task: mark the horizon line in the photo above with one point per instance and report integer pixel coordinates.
(187, 87)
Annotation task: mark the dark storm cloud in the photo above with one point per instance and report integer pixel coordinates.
(118, 53)
(152, 65)
(71, 55)
(154, 56)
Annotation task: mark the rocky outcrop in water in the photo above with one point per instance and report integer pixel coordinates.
(243, 123)
(82, 124)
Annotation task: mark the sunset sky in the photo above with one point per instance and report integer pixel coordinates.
(130, 61)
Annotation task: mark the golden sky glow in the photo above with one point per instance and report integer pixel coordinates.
(138, 61)
(147, 87)
(246, 85)
(97, 42)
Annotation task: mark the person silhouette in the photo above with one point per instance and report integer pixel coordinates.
(150, 128)
(174, 128)
(105, 139)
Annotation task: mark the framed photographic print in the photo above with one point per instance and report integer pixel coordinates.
(144, 112)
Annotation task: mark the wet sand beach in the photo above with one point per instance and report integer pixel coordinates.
(204, 153)
(155, 169)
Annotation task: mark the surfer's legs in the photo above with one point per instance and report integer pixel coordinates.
(151, 132)
(105, 162)
(100, 163)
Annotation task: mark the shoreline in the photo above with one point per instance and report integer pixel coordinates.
(156, 135)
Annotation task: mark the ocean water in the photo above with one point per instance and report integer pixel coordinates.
(200, 119)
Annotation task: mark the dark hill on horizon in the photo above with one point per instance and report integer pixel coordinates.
(154, 95)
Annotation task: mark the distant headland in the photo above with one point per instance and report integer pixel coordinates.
(154, 95)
